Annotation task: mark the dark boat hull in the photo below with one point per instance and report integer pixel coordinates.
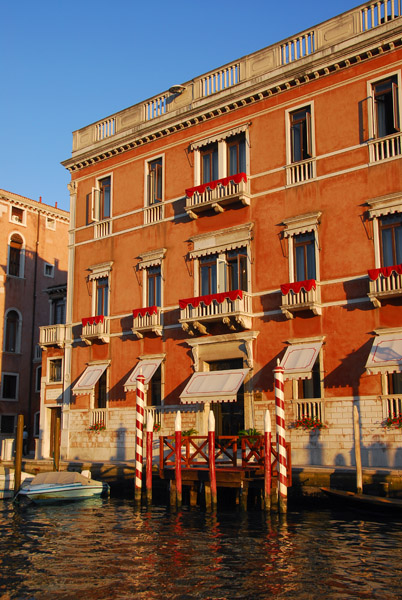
(365, 501)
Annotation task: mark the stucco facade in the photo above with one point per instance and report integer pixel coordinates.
(33, 255)
(250, 215)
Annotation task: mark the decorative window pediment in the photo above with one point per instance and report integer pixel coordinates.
(101, 270)
(385, 205)
(218, 137)
(151, 259)
(301, 224)
(221, 241)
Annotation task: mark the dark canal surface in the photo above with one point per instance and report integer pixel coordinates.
(106, 549)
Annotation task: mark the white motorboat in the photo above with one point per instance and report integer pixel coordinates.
(7, 481)
(61, 486)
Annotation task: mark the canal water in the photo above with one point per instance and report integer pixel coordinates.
(107, 549)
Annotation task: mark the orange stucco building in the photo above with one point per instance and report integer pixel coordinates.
(250, 215)
(33, 278)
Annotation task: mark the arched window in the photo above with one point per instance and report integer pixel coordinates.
(12, 331)
(15, 262)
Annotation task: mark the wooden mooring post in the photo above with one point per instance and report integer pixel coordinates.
(267, 461)
(211, 459)
(56, 445)
(150, 433)
(358, 453)
(177, 427)
(18, 453)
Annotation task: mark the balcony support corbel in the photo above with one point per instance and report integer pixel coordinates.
(287, 313)
(138, 334)
(217, 207)
(187, 329)
(201, 328)
(228, 323)
(375, 300)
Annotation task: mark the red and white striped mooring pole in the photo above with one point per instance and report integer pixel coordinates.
(139, 443)
(281, 437)
(267, 461)
(148, 470)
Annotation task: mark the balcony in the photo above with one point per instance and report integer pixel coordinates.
(385, 148)
(147, 320)
(217, 195)
(52, 335)
(231, 308)
(301, 172)
(301, 295)
(385, 283)
(95, 328)
(102, 229)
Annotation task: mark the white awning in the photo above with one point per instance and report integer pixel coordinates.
(89, 379)
(147, 368)
(213, 386)
(386, 354)
(299, 360)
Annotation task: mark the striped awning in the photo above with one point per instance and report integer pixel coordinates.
(386, 354)
(89, 379)
(147, 368)
(299, 360)
(213, 386)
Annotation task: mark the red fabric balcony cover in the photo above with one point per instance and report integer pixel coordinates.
(91, 320)
(296, 286)
(233, 295)
(213, 184)
(385, 271)
(148, 310)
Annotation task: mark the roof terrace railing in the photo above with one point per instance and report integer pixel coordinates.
(282, 55)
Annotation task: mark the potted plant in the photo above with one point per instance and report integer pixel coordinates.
(308, 423)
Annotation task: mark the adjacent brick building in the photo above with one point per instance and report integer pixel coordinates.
(33, 255)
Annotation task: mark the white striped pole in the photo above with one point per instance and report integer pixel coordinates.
(267, 461)
(139, 445)
(281, 437)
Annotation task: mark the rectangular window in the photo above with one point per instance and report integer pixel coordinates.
(58, 311)
(391, 240)
(15, 255)
(300, 134)
(7, 424)
(154, 396)
(154, 281)
(102, 296)
(38, 379)
(310, 388)
(155, 181)
(394, 383)
(17, 215)
(101, 391)
(36, 424)
(208, 275)
(48, 270)
(55, 370)
(236, 147)
(101, 199)
(9, 386)
(237, 270)
(209, 163)
(304, 256)
(50, 223)
(386, 108)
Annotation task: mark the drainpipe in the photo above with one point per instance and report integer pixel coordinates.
(31, 383)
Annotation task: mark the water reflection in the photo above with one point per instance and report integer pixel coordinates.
(106, 549)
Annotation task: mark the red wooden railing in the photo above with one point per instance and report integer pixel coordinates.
(194, 453)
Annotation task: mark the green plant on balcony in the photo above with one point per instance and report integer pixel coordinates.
(252, 433)
(189, 432)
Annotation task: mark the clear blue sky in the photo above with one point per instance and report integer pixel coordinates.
(64, 65)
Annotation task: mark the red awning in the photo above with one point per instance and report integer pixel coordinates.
(296, 286)
(149, 310)
(213, 184)
(91, 320)
(385, 271)
(208, 299)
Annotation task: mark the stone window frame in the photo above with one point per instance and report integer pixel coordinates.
(298, 225)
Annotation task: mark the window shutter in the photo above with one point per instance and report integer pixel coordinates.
(221, 264)
(158, 183)
(395, 105)
(95, 204)
(309, 146)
